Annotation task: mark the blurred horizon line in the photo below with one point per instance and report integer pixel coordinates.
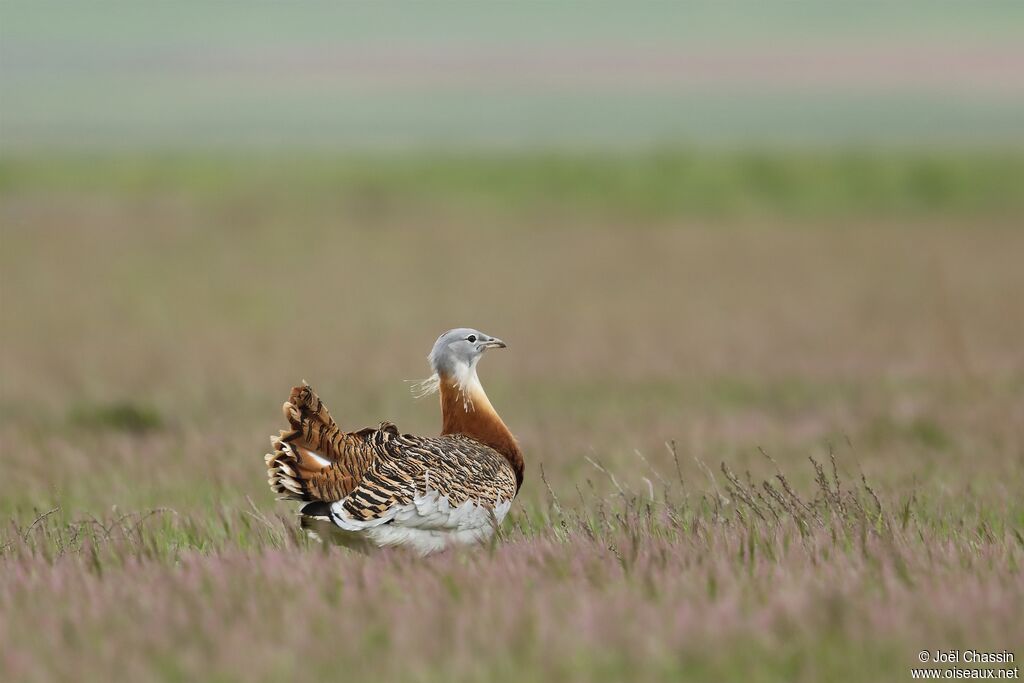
(402, 76)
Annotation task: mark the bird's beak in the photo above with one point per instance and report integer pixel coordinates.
(494, 343)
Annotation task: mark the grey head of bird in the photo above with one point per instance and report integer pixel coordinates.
(454, 357)
(457, 351)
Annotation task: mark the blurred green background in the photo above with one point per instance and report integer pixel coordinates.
(326, 77)
(784, 222)
(789, 226)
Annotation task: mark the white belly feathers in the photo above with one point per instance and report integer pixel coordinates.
(429, 524)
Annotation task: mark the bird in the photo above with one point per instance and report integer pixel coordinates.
(377, 488)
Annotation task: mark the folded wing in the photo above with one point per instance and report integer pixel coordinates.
(426, 481)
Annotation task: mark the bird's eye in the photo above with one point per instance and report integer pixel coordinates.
(471, 338)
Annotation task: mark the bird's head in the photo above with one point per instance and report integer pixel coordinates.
(454, 357)
(459, 350)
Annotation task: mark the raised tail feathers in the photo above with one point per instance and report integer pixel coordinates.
(311, 422)
(291, 469)
(311, 460)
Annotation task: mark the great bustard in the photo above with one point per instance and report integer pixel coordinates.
(378, 487)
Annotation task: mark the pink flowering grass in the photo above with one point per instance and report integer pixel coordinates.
(749, 578)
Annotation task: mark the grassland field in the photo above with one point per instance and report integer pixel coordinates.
(772, 406)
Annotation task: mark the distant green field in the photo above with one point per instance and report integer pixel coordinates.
(671, 183)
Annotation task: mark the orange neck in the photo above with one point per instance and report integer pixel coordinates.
(465, 409)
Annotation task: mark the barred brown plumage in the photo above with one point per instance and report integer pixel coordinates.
(378, 487)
